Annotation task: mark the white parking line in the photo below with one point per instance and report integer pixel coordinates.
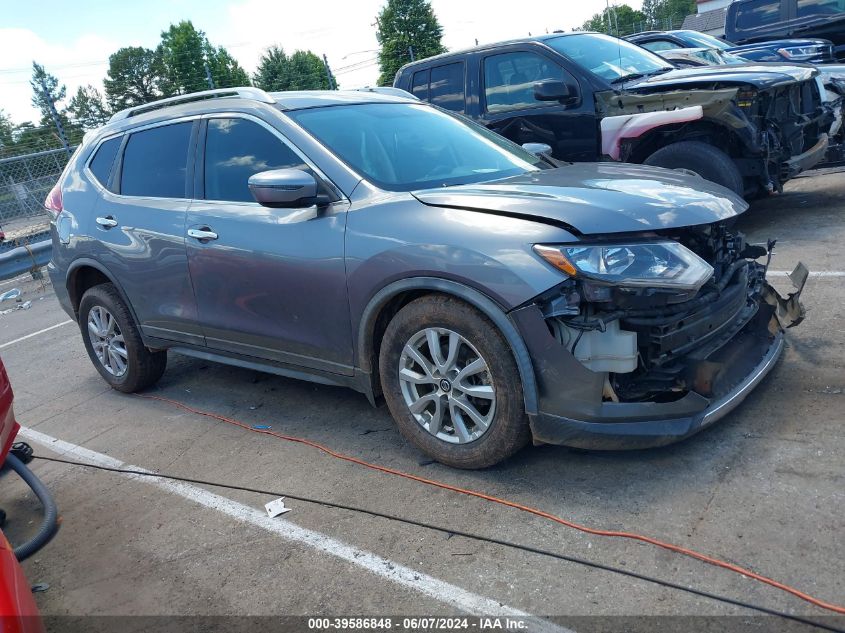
(817, 273)
(46, 329)
(440, 590)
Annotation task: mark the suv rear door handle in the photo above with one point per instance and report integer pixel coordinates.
(202, 234)
(106, 222)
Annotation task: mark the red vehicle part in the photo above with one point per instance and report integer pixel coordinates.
(18, 613)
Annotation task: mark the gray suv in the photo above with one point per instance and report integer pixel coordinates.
(489, 295)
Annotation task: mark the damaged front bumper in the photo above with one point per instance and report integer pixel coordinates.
(575, 410)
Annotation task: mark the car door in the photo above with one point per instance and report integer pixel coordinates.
(270, 283)
(509, 108)
(138, 233)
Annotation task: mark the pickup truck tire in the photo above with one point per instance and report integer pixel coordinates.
(707, 161)
(462, 404)
(114, 343)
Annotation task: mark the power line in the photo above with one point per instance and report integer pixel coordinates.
(468, 535)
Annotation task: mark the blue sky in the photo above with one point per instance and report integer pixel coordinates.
(74, 40)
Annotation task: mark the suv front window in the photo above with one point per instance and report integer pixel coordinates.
(405, 146)
(608, 57)
(235, 149)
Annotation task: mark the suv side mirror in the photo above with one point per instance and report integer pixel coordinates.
(283, 188)
(554, 90)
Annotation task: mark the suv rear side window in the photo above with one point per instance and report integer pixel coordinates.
(235, 149)
(447, 87)
(659, 45)
(757, 13)
(509, 79)
(155, 162)
(103, 160)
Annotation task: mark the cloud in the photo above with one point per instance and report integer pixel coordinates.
(75, 62)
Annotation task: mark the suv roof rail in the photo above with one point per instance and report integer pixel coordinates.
(256, 94)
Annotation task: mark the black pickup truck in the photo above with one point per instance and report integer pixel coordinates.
(594, 97)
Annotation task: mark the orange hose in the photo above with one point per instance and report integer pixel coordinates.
(512, 504)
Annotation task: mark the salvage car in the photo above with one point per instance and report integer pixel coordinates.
(380, 243)
(831, 80)
(809, 51)
(593, 97)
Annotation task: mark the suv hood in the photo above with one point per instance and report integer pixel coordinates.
(597, 198)
(757, 75)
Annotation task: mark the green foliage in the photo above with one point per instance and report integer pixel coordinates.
(88, 108)
(182, 52)
(226, 72)
(404, 24)
(619, 21)
(134, 77)
(301, 71)
(655, 14)
(45, 89)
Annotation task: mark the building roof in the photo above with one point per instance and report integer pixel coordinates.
(708, 21)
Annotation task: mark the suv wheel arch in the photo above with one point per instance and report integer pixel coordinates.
(391, 298)
(84, 273)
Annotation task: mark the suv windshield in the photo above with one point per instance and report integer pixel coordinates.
(608, 57)
(406, 146)
(703, 40)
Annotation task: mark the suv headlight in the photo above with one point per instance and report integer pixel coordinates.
(799, 52)
(655, 264)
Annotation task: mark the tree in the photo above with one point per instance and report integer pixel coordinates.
(46, 90)
(402, 26)
(671, 13)
(301, 71)
(649, 11)
(225, 70)
(182, 51)
(185, 51)
(273, 70)
(134, 77)
(88, 108)
(6, 134)
(620, 20)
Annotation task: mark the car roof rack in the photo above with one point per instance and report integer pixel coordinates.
(256, 94)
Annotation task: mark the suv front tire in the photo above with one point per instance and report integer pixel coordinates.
(452, 384)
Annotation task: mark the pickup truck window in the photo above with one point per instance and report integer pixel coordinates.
(509, 79)
(419, 84)
(807, 8)
(610, 58)
(447, 86)
(757, 13)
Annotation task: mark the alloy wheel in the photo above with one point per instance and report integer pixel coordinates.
(447, 385)
(107, 341)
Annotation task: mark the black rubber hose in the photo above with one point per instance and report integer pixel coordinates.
(50, 524)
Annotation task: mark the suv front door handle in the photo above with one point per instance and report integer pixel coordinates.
(106, 222)
(202, 234)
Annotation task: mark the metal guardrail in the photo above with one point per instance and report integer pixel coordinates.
(22, 259)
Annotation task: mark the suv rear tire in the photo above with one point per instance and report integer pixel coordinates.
(114, 343)
(463, 403)
(707, 161)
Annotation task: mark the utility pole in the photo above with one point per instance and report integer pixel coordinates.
(411, 53)
(55, 116)
(328, 73)
(208, 77)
